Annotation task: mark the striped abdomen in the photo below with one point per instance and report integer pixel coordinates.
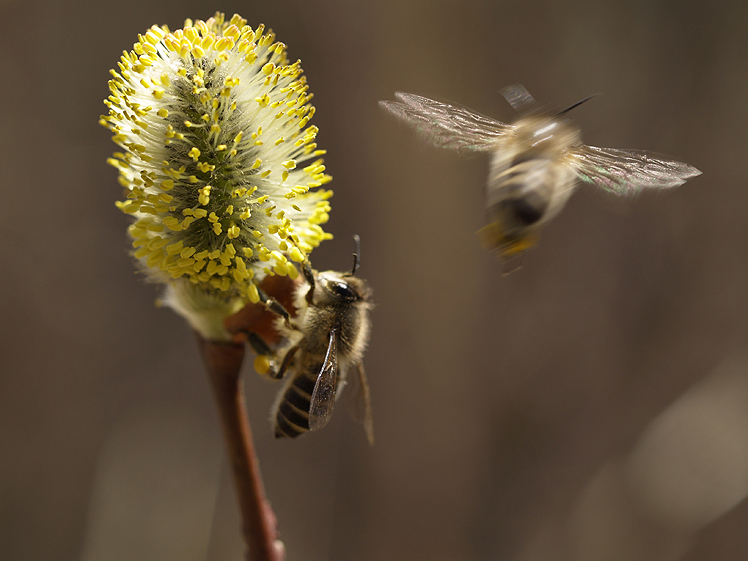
(292, 408)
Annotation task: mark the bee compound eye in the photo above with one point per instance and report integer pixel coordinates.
(342, 290)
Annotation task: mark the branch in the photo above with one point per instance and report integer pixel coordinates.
(223, 362)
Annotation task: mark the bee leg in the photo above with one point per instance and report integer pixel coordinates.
(259, 346)
(511, 263)
(287, 360)
(264, 361)
(306, 269)
(272, 305)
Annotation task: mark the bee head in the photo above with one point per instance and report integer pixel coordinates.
(339, 289)
(331, 288)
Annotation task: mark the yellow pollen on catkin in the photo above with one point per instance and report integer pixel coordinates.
(253, 294)
(178, 105)
(174, 248)
(296, 255)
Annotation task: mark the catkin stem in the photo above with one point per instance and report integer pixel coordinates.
(223, 361)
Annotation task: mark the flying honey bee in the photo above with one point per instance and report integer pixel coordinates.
(323, 342)
(535, 163)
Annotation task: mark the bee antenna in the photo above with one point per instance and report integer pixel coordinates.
(577, 104)
(356, 254)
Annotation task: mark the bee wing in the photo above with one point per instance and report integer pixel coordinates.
(448, 126)
(323, 395)
(518, 97)
(627, 172)
(358, 400)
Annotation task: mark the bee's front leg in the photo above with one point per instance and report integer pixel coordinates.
(306, 269)
(272, 305)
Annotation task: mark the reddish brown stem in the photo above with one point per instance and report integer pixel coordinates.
(259, 526)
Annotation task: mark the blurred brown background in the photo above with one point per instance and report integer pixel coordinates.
(591, 406)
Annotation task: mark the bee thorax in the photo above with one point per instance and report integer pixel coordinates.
(349, 325)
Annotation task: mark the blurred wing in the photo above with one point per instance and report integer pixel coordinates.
(518, 97)
(323, 395)
(358, 400)
(626, 172)
(448, 126)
